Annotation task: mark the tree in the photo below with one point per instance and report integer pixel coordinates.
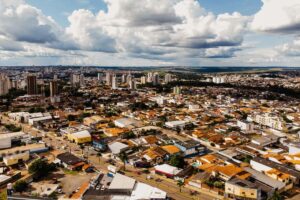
(99, 154)
(71, 117)
(50, 107)
(20, 186)
(276, 196)
(180, 184)
(123, 156)
(82, 148)
(177, 161)
(41, 168)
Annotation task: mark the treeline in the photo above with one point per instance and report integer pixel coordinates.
(295, 93)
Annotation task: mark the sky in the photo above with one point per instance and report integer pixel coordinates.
(150, 32)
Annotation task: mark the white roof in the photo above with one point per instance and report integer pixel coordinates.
(117, 147)
(168, 169)
(121, 182)
(144, 191)
(4, 178)
(176, 123)
(125, 121)
(40, 118)
(12, 135)
(82, 134)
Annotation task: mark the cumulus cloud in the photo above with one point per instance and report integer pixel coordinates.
(280, 16)
(10, 45)
(22, 22)
(290, 49)
(162, 31)
(143, 28)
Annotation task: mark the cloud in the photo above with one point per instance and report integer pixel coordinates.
(24, 23)
(278, 16)
(176, 31)
(88, 34)
(291, 49)
(9, 45)
(141, 28)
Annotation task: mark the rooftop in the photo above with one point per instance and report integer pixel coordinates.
(121, 182)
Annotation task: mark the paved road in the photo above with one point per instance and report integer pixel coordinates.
(59, 143)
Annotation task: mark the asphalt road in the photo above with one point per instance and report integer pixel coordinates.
(59, 143)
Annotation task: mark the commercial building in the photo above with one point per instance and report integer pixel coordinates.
(108, 78)
(114, 82)
(241, 189)
(16, 158)
(69, 161)
(80, 137)
(31, 85)
(5, 84)
(6, 139)
(167, 170)
(168, 78)
(54, 88)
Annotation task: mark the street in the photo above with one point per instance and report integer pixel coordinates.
(63, 145)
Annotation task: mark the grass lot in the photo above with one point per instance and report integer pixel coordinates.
(66, 171)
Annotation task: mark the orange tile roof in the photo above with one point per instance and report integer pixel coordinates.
(114, 131)
(151, 139)
(171, 149)
(278, 173)
(209, 157)
(229, 170)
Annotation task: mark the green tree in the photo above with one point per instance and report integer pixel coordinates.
(82, 148)
(180, 184)
(20, 186)
(177, 161)
(99, 154)
(40, 168)
(50, 108)
(71, 117)
(276, 196)
(124, 157)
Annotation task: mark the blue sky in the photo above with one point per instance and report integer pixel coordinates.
(59, 9)
(150, 32)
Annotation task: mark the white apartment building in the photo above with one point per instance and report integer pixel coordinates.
(270, 121)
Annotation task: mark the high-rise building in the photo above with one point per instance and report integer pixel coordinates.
(99, 76)
(5, 84)
(114, 82)
(149, 77)
(31, 85)
(55, 77)
(132, 85)
(108, 78)
(81, 80)
(54, 88)
(129, 78)
(75, 79)
(176, 90)
(168, 78)
(54, 92)
(155, 79)
(42, 87)
(143, 80)
(124, 80)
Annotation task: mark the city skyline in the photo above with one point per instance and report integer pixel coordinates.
(140, 33)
